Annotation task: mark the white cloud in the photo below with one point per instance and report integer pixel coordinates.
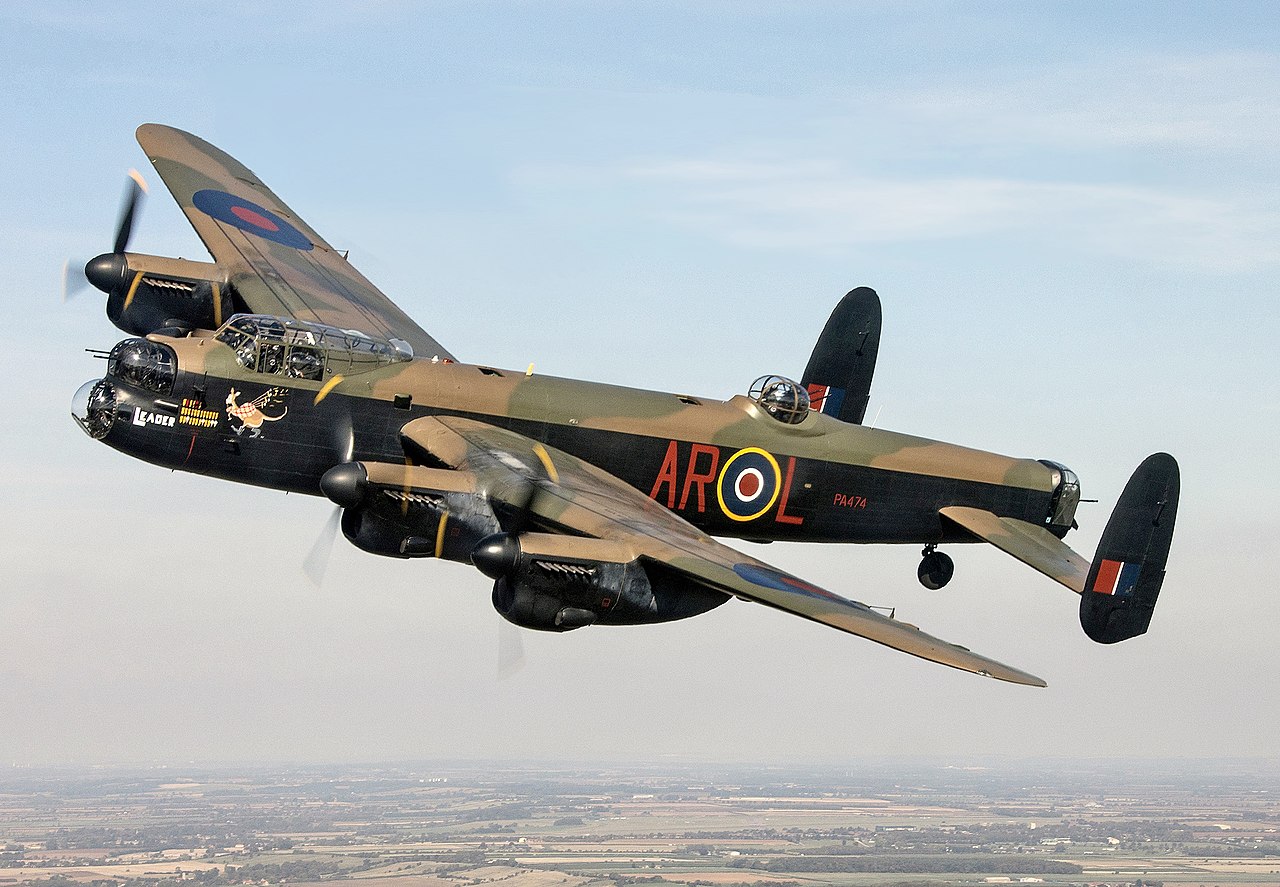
(1220, 103)
(821, 206)
(1158, 159)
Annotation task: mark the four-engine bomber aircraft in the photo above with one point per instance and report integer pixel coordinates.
(280, 365)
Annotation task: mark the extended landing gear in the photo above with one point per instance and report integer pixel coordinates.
(936, 568)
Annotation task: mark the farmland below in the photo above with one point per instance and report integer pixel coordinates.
(900, 824)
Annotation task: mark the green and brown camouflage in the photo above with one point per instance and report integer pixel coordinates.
(648, 437)
(587, 503)
(313, 283)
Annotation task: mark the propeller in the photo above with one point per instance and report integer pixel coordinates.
(523, 512)
(510, 649)
(511, 657)
(74, 280)
(544, 473)
(124, 228)
(109, 271)
(496, 555)
(510, 636)
(316, 563)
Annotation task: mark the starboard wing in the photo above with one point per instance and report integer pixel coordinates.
(276, 262)
(576, 497)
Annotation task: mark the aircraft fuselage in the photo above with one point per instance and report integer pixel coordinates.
(728, 467)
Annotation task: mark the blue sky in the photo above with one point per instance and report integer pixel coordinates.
(1069, 210)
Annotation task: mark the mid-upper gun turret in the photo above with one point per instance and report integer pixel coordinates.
(781, 398)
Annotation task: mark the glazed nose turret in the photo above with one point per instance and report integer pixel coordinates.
(94, 407)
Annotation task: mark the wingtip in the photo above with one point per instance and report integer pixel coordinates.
(152, 132)
(1021, 677)
(148, 134)
(1002, 672)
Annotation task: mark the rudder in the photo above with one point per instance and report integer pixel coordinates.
(1128, 569)
(838, 376)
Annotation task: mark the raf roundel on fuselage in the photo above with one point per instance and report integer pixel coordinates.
(749, 484)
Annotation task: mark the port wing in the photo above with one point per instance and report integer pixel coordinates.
(277, 264)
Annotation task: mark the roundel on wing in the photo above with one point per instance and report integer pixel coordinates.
(749, 484)
(249, 217)
(768, 577)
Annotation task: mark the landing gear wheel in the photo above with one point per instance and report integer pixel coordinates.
(936, 569)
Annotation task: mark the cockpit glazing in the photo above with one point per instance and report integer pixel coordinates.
(146, 365)
(298, 349)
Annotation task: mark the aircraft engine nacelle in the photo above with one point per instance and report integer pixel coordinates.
(539, 585)
(537, 610)
(408, 511)
(148, 294)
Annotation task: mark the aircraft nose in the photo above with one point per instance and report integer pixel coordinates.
(94, 407)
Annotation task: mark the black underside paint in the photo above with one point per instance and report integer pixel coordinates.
(841, 503)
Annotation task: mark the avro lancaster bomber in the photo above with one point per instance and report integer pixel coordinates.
(279, 365)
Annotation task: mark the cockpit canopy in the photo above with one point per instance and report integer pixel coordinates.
(299, 349)
(781, 398)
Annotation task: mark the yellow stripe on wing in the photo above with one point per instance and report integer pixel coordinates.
(545, 458)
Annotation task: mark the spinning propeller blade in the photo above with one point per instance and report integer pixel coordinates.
(545, 473)
(316, 564)
(109, 270)
(511, 656)
(343, 442)
(524, 511)
(510, 649)
(137, 187)
(74, 280)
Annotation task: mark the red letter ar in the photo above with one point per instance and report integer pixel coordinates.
(667, 477)
(693, 476)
